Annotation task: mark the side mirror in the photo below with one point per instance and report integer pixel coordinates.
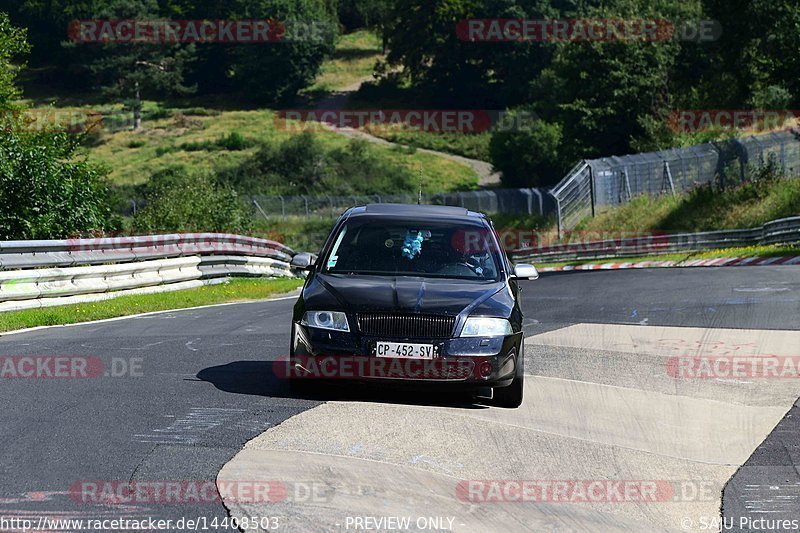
(302, 261)
(523, 271)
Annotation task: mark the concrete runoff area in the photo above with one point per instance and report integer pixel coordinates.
(386, 460)
(204, 387)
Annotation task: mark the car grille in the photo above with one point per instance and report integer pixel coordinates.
(423, 326)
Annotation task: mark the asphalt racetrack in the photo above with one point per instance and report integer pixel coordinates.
(615, 434)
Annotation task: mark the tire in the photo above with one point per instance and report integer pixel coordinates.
(511, 396)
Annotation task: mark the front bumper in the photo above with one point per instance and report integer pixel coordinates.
(331, 355)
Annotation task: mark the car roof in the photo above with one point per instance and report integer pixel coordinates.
(415, 211)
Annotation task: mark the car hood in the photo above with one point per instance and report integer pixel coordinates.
(407, 294)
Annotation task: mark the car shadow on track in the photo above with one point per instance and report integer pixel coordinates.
(258, 378)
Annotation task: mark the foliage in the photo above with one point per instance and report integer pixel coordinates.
(277, 75)
(178, 201)
(302, 165)
(128, 71)
(12, 44)
(529, 156)
(608, 97)
(46, 190)
(233, 141)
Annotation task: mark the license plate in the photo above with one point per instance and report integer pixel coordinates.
(404, 350)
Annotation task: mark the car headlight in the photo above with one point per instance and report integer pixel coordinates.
(326, 320)
(477, 326)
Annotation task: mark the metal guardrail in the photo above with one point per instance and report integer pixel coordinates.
(782, 231)
(54, 272)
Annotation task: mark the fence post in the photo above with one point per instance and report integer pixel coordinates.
(263, 213)
(668, 178)
(625, 186)
(592, 198)
(558, 217)
(283, 209)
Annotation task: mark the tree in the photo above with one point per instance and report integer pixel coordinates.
(46, 190)
(603, 92)
(424, 40)
(377, 16)
(528, 156)
(756, 58)
(126, 70)
(274, 72)
(12, 44)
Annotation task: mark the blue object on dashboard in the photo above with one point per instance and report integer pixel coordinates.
(412, 245)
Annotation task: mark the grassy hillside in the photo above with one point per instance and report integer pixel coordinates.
(705, 209)
(189, 137)
(194, 132)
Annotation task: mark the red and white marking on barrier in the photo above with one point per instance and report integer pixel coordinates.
(716, 262)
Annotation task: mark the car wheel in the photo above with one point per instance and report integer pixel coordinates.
(511, 396)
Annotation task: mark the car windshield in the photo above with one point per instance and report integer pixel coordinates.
(426, 249)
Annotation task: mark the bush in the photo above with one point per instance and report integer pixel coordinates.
(165, 149)
(234, 141)
(180, 202)
(46, 191)
(302, 165)
(529, 156)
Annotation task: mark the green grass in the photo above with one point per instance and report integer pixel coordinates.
(472, 145)
(741, 252)
(354, 59)
(193, 140)
(236, 290)
(704, 209)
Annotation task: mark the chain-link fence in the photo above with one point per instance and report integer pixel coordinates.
(521, 201)
(602, 183)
